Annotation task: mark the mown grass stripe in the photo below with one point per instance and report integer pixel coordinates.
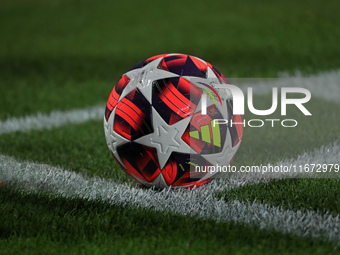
(320, 195)
(199, 202)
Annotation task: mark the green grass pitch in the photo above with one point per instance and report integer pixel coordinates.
(61, 55)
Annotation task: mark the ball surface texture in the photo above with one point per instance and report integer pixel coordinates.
(167, 121)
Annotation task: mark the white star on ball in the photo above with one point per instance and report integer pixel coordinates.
(113, 139)
(166, 138)
(142, 79)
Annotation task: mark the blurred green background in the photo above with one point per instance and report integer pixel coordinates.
(244, 38)
(77, 50)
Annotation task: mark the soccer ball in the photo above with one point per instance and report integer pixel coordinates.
(160, 121)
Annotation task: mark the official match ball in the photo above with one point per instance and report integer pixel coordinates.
(168, 122)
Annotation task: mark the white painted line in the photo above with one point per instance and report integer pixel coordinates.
(198, 202)
(324, 85)
(54, 119)
(327, 154)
